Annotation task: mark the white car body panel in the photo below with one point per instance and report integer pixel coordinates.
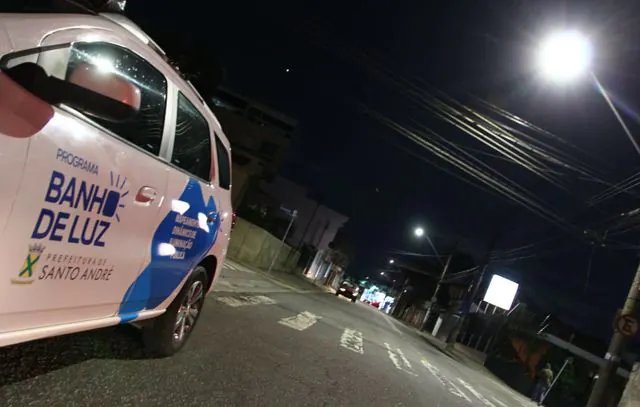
(51, 183)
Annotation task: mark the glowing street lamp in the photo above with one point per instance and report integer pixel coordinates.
(418, 231)
(564, 56)
(391, 261)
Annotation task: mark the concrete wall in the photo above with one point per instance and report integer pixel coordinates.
(256, 247)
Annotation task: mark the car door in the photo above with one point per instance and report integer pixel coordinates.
(83, 219)
(190, 216)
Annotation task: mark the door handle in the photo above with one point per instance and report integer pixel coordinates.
(146, 194)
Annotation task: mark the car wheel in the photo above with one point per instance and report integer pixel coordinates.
(337, 293)
(353, 299)
(170, 331)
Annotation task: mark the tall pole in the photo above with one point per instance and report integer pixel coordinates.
(435, 293)
(472, 293)
(286, 233)
(612, 358)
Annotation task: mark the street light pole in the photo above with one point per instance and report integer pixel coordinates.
(472, 292)
(565, 55)
(286, 233)
(435, 293)
(612, 358)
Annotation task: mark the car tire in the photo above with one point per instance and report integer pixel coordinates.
(337, 293)
(353, 299)
(171, 330)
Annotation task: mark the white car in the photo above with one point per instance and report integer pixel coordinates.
(115, 183)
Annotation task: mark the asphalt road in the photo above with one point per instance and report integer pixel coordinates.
(273, 345)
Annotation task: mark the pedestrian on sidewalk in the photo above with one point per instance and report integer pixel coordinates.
(543, 382)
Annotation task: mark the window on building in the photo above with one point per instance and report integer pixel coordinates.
(224, 166)
(192, 144)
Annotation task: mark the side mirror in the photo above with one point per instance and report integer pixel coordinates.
(108, 85)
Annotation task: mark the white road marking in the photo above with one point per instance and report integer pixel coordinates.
(476, 393)
(434, 371)
(352, 340)
(404, 359)
(393, 357)
(395, 361)
(453, 389)
(242, 301)
(301, 321)
(499, 402)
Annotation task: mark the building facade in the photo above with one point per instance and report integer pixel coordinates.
(316, 225)
(259, 139)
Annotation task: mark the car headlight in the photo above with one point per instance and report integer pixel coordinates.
(341, 289)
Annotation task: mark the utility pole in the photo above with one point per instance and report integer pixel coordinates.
(286, 233)
(472, 293)
(612, 358)
(435, 293)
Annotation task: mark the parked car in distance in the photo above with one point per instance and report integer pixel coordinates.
(349, 290)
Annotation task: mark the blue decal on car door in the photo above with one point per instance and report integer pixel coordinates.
(181, 241)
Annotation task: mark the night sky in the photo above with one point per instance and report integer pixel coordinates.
(346, 57)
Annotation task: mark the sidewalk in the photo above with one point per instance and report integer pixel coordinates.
(293, 282)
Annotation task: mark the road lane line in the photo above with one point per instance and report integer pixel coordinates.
(396, 361)
(452, 388)
(473, 391)
(393, 357)
(242, 301)
(455, 390)
(499, 402)
(352, 340)
(301, 321)
(404, 359)
(433, 370)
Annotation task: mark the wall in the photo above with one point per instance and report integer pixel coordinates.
(317, 224)
(256, 247)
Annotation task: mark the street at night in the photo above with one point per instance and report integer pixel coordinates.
(273, 344)
(319, 203)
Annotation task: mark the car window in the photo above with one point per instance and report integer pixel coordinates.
(145, 128)
(192, 144)
(224, 166)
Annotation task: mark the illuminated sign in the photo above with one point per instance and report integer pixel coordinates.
(501, 292)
